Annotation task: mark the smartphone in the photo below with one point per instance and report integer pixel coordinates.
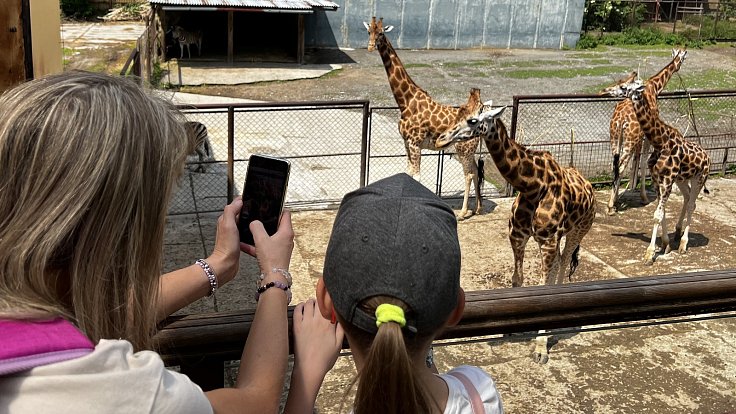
(264, 193)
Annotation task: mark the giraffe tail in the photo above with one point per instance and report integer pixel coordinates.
(481, 170)
(616, 162)
(573, 262)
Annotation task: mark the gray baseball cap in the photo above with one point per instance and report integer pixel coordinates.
(394, 238)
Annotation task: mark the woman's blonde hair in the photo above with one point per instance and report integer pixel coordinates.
(88, 162)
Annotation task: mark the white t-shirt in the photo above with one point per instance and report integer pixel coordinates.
(111, 379)
(458, 399)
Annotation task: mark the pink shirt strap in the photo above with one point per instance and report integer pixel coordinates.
(28, 344)
(475, 402)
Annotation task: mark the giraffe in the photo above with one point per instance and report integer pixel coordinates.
(553, 201)
(422, 119)
(627, 139)
(627, 144)
(674, 161)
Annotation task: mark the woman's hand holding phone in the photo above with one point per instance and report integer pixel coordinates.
(272, 251)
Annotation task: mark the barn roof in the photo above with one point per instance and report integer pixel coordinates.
(296, 6)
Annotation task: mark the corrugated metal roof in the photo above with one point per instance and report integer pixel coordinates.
(254, 4)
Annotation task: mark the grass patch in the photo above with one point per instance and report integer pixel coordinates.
(565, 73)
(536, 63)
(470, 63)
(709, 79)
(417, 65)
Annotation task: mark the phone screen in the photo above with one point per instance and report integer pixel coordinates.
(264, 192)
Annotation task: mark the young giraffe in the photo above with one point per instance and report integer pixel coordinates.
(422, 119)
(553, 202)
(626, 135)
(674, 161)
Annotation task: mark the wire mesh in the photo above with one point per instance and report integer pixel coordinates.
(336, 147)
(575, 128)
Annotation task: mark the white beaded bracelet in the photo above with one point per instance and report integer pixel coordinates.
(211, 277)
(284, 272)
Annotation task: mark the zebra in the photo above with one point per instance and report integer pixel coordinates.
(187, 38)
(198, 160)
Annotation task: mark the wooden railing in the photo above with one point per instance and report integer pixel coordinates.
(200, 344)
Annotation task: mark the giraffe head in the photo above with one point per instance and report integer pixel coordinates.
(482, 124)
(613, 89)
(633, 89)
(678, 56)
(376, 31)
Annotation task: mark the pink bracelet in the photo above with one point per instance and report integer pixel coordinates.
(211, 277)
(277, 284)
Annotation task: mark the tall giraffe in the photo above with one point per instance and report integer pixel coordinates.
(627, 139)
(422, 119)
(674, 161)
(553, 202)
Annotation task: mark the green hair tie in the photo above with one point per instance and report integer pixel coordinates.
(389, 313)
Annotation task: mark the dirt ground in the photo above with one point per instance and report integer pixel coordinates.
(680, 367)
(448, 75)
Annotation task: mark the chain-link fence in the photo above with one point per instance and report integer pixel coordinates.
(575, 128)
(325, 142)
(336, 147)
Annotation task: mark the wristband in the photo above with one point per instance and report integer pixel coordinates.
(277, 284)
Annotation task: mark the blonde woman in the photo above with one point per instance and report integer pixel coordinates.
(87, 166)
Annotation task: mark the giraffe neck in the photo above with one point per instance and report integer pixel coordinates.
(402, 86)
(647, 113)
(514, 161)
(660, 79)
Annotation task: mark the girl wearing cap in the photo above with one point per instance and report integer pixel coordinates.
(391, 281)
(88, 165)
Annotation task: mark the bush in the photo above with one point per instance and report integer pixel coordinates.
(78, 9)
(634, 36)
(587, 42)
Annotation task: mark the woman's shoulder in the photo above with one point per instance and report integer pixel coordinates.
(112, 376)
(463, 382)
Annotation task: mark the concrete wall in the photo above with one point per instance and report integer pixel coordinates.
(451, 24)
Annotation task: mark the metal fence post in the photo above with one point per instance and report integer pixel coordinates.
(230, 152)
(364, 145)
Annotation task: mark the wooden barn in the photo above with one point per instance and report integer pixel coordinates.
(236, 30)
(31, 40)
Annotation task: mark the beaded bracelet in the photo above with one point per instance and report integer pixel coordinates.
(284, 272)
(211, 277)
(274, 284)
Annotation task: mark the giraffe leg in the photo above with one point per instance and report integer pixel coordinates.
(413, 159)
(684, 187)
(664, 193)
(550, 266)
(469, 179)
(541, 353)
(695, 187)
(518, 244)
(614, 188)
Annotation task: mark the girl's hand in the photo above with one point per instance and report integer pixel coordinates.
(317, 343)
